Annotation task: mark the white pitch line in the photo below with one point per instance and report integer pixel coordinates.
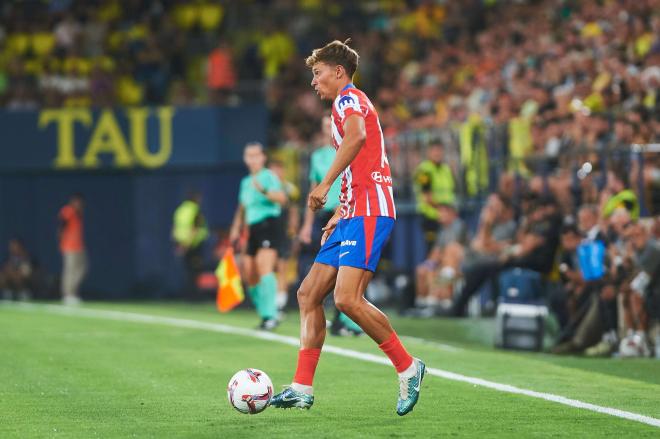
(435, 344)
(226, 329)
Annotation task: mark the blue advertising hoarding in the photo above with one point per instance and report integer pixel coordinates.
(129, 138)
(133, 166)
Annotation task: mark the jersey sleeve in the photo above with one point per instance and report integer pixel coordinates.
(350, 104)
(271, 183)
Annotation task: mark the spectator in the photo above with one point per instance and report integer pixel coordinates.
(588, 223)
(496, 230)
(72, 246)
(220, 73)
(189, 232)
(617, 194)
(16, 274)
(642, 292)
(434, 277)
(534, 249)
(563, 301)
(434, 184)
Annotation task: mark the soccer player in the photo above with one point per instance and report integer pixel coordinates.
(319, 164)
(354, 237)
(260, 205)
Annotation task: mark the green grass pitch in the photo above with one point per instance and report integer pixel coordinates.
(78, 376)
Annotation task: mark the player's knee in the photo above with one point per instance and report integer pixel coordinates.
(305, 297)
(345, 304)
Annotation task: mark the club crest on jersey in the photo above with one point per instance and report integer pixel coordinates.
(380, 178)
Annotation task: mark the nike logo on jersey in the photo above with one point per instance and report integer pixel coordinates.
(342, 254)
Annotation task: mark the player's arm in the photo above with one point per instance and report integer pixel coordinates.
(275, 195)
(237, 224)
(278, 197)
(355, 133)
(308, 221)
(330, 226)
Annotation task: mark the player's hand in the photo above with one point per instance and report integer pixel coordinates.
(234, 235)
(258, 185)
(317, 197)
(329, 228)
(305, 234)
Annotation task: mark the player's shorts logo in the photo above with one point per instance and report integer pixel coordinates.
(265, 243)
(348, 242)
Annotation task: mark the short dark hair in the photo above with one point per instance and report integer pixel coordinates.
(570, 228)
(335, 53)
(254, 143)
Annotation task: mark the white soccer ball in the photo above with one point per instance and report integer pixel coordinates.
(249, 391)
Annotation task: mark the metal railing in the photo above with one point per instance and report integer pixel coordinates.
(408, 148)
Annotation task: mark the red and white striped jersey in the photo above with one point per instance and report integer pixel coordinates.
(366, 187)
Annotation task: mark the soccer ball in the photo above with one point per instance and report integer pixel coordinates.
(249, 391)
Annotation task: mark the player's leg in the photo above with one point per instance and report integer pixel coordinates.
(265, 261)
(314, 288)
(364, 239)
(349, 298)
(251, 276)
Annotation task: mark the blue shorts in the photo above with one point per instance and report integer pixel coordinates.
(356, 242)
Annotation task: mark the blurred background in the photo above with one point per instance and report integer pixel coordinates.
(532, 126)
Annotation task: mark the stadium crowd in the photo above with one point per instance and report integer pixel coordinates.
(521, 131)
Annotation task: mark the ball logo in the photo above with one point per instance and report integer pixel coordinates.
(380, 178)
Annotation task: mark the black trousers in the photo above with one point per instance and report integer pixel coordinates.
(193, 262)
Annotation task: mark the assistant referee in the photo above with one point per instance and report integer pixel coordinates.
(260, 206)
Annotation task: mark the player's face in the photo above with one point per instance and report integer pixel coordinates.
(324, 80)
(254, 158)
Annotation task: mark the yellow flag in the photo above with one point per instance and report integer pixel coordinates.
(230, 288)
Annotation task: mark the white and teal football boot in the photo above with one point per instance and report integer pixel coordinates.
(409, 389)
(290, 398)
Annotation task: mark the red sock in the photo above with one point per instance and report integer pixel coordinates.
(307, 361)
(398, 355)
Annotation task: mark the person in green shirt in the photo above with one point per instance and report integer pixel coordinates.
(189, 232)
(260, 206)
(434, 184)
(617, 194)
(310, 232)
